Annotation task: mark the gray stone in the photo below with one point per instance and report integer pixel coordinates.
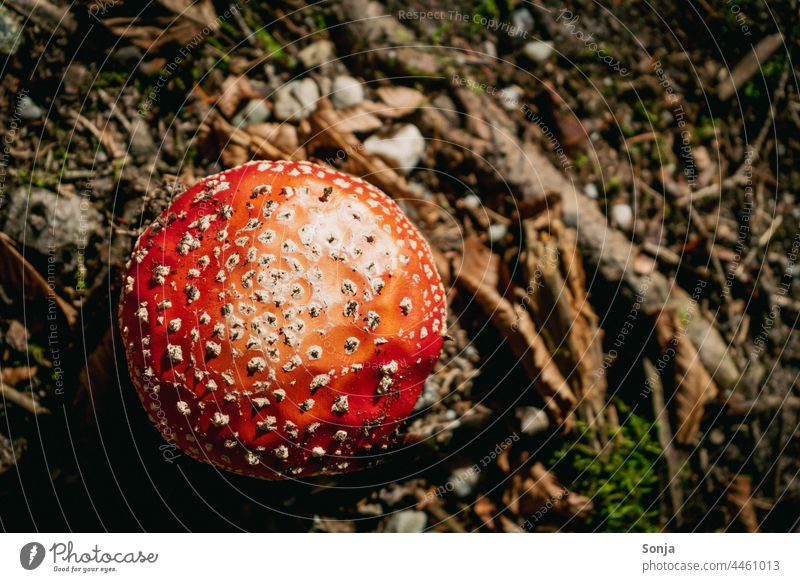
(538, 50)
(296, 100)
(285, 106)
(17, 336)
(511, 97)
(127, 56)
(532, 420)
(346, 91)
(307, 94)
(622, 216)
(490, 49)
(472, 202)
(447, 108)
(256, 111)
(523, 21)
(54, 226)
(142, 145)
(316, 54)
(403, 148)
(463, 481)
(497, 232)
(11, 452)
(407, 521)
(28, 109)
(9, 32)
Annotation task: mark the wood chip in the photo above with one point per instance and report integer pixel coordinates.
(478, 277)
(693, 387)
(16, 273)
(399, 101)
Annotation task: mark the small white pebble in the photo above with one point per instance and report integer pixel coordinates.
(622, 216)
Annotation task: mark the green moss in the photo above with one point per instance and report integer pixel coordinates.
(705, 128)
(623, 480)
(230, 30)
(581, 160)
(487, 9)
(644, 113)
(273, 47)
(223, 57)
(439, 33)
(613, 185)
(111, 78)
(36, 352)
(319, 21)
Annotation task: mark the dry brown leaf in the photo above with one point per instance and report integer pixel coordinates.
(46, 14)
(508, 525)
(10, 377)
(399, 101)
(97, 376)
(235, 89)
(513, 493)
(152, 66)
(610, 252)
(149, 38)
(542, 489)
(485, 509)
(693, 385)
(238, 146)
(521, 166)
(11, 451)
(235, 155)
(201, 12)
(503, 462)
(282, 135)
(478, 272)
(13, 376)
(740, 498)
(475, 119)
(190, 18)
(18, 274)
(444, 135)
(585, 338)
(358, 119)
(571, 132)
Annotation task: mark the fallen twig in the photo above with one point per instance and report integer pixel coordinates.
(21, 399)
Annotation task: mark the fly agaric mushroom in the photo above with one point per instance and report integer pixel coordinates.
(280, 319)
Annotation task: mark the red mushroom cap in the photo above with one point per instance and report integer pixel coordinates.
(280, 319)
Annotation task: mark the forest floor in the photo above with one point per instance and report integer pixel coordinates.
(611, 193)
